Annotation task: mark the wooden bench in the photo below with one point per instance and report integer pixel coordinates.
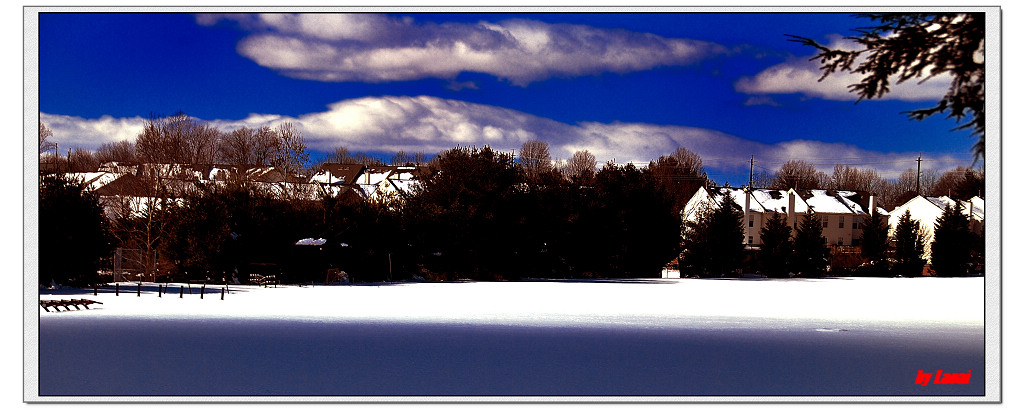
(67, 304)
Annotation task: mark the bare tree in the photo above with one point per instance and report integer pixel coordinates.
(44, 133)
(535, 159)
(177, 139)
(851, 178)
(403, 158)
(760, 179)
(689, 162)
(341, 155)
(959, 183)
(121, 151)
(82, 160)
(138, 222)
(799, 174)
(581, 166)
(200, 140)
(290, 154)
(681, 174)
(247, 147)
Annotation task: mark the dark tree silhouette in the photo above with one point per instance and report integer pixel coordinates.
(712, 245)
(681, 174)
(776, 247)
(908, 247)
(73, 233)
(874, 241)
(810, 255)
(951, 248)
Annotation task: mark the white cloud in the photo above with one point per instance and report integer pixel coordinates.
(801, 76)
(71, 132)
(378, 48)
(430, 125)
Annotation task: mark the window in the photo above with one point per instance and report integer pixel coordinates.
(840, 243)
(824, 221)
(750, 240)
(751, 224)
(856, 223)
(841, 223)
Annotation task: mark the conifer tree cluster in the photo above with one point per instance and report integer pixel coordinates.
(950, 248)
(712, 245)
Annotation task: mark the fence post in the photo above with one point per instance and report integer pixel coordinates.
(181, 294)
(202, 291)
(139, 292)
(117, 289)
(222, 294)
(95, 291)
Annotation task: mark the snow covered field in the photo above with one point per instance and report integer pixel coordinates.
(670, 337)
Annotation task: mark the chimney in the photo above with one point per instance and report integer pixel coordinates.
(871, 205)
(746, 217)
(791, 212)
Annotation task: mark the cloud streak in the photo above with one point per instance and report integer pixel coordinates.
(380, 48)
(801, 76)
(430, 125)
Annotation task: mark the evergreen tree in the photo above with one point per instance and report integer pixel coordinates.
(874, 242)
(74, 234)
(908, 245)
(713, 244)
(951, 250)
(776, 247)
(463, 214)
(810, 255)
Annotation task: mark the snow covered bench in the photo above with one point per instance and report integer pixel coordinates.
(264, 280)
(67, 304)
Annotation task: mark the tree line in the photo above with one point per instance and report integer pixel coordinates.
(476, 214)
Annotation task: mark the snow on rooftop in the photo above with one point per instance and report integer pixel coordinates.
(406, 186)
(94, 180)
(327, 177)
(821, 202)
(777, 201)
(311, 241)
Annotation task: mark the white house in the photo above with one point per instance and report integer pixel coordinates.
(841, 212)
(927, 210)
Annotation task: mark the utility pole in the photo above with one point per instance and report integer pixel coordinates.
(918, 174)
(750, 184)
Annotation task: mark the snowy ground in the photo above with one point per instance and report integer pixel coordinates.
(669, 337)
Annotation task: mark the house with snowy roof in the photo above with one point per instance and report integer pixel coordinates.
(382, 182)
(841, 212)
(927, 209)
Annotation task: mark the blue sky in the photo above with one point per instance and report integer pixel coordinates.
(628, 87)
